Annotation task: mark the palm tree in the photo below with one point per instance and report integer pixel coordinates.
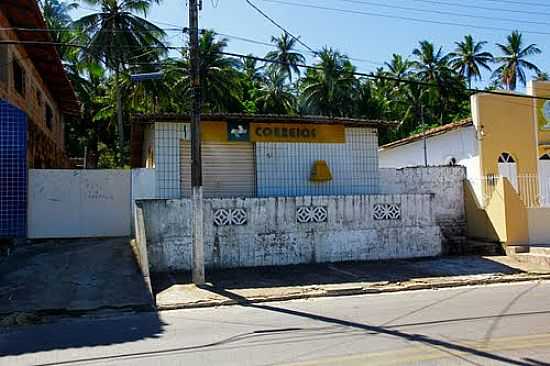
(329, 88)
(542, 76)
(432, 67)
(251, 70)
(468, 57)
(431, 64)
(513, 61)
(58, 21)
(275, 95)
(56, 12)
(399, 67)
(286, 55)
(219, 79)
(118, 37)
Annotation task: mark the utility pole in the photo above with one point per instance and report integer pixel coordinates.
(196, 164)
(424, 138)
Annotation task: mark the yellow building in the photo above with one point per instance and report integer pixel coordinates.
(506, 150)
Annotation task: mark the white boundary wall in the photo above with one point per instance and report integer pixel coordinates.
(272, 233)
(78, 203)
(539, 220)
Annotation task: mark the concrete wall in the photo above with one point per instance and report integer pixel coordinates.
(539, 220)
(504, 219)
(273, 235)
(447, 186)
(143, 187)
(478, 223)
(78, 203)
(506, 124)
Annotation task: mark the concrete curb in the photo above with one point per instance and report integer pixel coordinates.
(18, 318)
(356, 290)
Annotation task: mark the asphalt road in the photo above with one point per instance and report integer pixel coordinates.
(487, 325)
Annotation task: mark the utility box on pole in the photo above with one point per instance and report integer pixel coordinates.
(196, 165)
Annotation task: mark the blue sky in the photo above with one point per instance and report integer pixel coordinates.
(367, 37)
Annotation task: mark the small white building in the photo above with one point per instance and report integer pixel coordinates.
(283, 190)
(452, 144)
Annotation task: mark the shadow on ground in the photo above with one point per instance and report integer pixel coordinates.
(72, 334)
(72, 277)
(338, 273)
(454, 349)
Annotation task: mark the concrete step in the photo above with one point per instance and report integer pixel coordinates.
(478, 247)
(536, 259)
(539, 249)
(516, 249)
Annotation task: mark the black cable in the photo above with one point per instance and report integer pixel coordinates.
(523, 3)
(359, 12)
(304, 66)
(469, 7)
(279, 26)
(444, 12)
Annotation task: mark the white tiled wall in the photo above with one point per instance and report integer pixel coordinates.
(167, 157)
(283, 169)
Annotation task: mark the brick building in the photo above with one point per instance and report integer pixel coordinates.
(35, 98)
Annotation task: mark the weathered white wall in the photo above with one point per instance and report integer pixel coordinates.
(143, 184)
(78, 203)
(460, 144)
(273, 236)
(447, 186)
(143, 187)
(539, 222)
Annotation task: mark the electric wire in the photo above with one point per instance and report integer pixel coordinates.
(472, 6)
(297, 39)
(444, 12)
(399, 17)
(299, 65)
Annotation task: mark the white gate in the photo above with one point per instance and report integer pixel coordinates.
(78, 203)
(507, 167)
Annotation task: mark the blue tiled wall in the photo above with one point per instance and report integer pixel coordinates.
(13, 171)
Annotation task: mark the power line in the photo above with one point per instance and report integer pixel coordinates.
(278, 25)
(446, 3)
(359, 12)
(519, 3)
(444, 12)
(382, 77)
(71, 30)
(304, 66)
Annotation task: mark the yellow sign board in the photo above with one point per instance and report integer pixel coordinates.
(292, 132)
(214, 131)
(235, 132)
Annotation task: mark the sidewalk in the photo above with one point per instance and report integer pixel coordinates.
(71, 276)
(249, 285)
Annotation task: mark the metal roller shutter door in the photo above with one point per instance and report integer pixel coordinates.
(228, 170)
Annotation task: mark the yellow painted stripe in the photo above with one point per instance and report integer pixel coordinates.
(427, 353)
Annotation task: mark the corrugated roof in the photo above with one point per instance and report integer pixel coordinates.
(182, 118)
(431, 132)
(27, 14)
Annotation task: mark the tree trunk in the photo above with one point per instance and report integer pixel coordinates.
(120, 123)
